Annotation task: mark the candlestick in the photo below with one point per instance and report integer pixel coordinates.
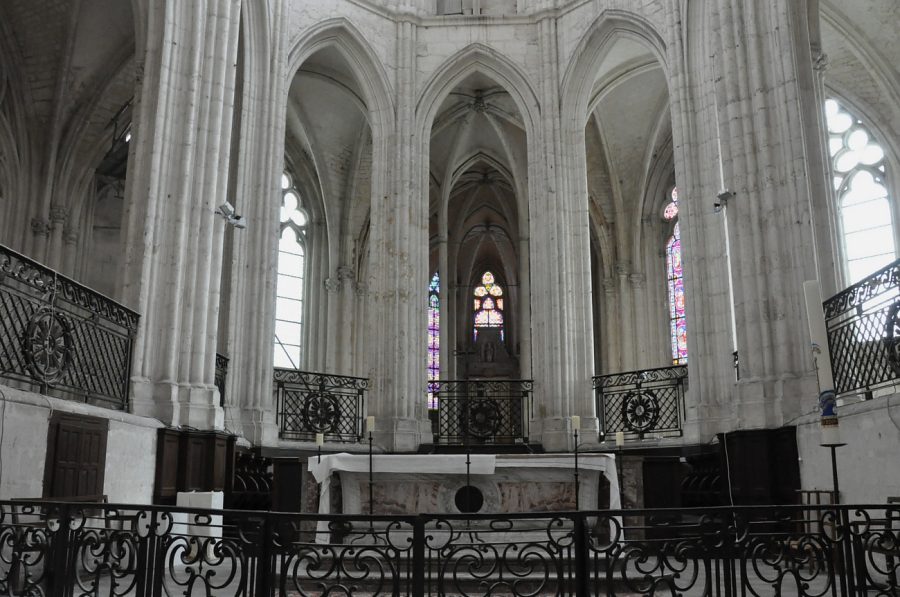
(577, 504)
(576, 423)
(370, 424)
(620, 439)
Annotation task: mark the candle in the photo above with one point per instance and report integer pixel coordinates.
(320, 439)
(576, 423)
(620, 439)
(831, 433)
(370, 424)
(818, 334)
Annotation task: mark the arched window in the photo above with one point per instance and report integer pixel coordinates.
(291, 276)
(488, 305)
(859, 181)
(675, 283)
(434, 336)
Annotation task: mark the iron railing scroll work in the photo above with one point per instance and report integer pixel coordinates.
(61, 338)
(311, 403)
(57, 549)
(482, 412)
(863, 324)
(641, 404)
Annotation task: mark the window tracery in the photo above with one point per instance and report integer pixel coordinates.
(290, 287)
(488, 305)
(858, 166)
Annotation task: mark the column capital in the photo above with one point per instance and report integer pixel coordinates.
(820, 62)
(332, 284)
(638, 280)
(609, 285)
(345, 272)
(58, 214)
(40, 227)
(623, 268)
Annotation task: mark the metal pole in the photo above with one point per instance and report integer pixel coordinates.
(371, 482)
(577, 505)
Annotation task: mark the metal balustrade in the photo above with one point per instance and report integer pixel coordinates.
(310, 403)
(221, 375)
(643, 403)
(61, 338)
(57, 549)
(863, 324)
(482, 412)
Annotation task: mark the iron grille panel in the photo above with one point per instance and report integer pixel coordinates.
(221, 375)
(863, 325)
(60, 549)
(642, 403)
(310, 403)
(482, 412)
(63, 338)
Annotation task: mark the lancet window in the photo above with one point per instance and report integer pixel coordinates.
(488, 305)
(291, 286)
(858, 166)
(434, 336)
(675, 284)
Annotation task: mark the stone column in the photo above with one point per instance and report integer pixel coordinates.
(760, 90)
(250, 405)
(40, 233)
(58, 216)
(445, 278)
(398, 247)
(177, 177)
(643, 316)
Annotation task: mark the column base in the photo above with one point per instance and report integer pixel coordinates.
(253, 424)
(401, 435)
(177, 404)
(557, 434)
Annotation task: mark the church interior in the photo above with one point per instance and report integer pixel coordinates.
(429, 282)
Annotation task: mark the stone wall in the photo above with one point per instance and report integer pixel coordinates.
(868, 472)
(24, 421)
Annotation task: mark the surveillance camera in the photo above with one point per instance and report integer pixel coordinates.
(239, 222)
(226, 210)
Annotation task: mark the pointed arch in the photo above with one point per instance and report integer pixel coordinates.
(479, 58)
(612, 24)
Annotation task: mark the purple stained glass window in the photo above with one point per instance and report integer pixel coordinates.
(488, 308)
(675, 283)
(434, 337)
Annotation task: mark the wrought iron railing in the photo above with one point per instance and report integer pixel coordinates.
(641, 403)
(482, 412)
(310, 403)
(58, 549)
(60, 337)
(863, 323)
(221, 375)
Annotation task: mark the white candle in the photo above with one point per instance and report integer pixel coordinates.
(370, 424)
(831, 434)
(818, 335)
(620, 439)
(576, 423)
(320, 439)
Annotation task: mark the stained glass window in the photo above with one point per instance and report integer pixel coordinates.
(488, 304)
(675, 283)
(858, 166)
(434, 336)
(291, 276)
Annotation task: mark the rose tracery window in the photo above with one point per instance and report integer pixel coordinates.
(290, 287)
(675, 285)
(858, 165)
(488, 305)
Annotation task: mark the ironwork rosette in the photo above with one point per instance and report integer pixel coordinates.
(321, 412)
(47, 345)
(484, 418)
(640, 410)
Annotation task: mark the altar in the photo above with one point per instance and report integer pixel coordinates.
(406, 484)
